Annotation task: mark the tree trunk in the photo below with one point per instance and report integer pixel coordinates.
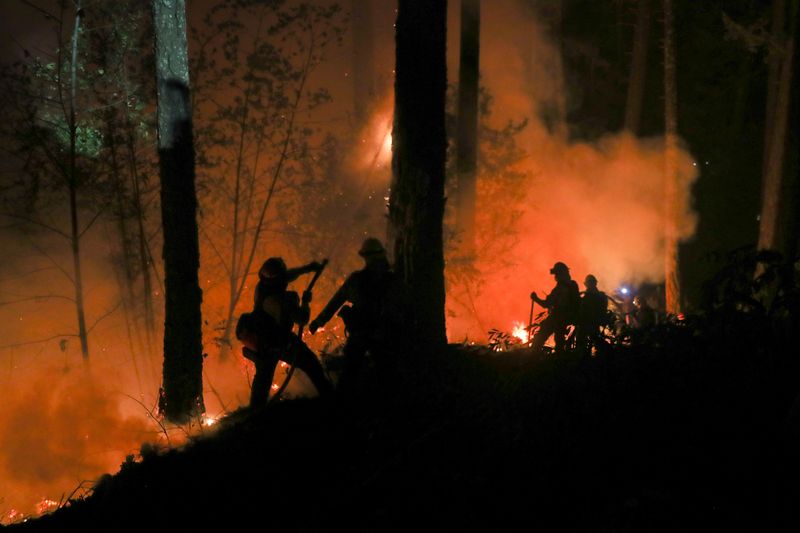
(361, 23)
(554, 113)
(416, 203)
(773, 75)
(143, 252)
(75, 232)
(769, 234)
(671, 275)
(182, 395)
(792, 209)
(467, 134)
(126, 275)
(636, 82)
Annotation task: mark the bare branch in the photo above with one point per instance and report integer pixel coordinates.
(91, 222)
(48, 256)
(216, 250)
(25, 274)
(43, 11)
(36, 298)
(155, 419)
(39, 341)
(104, 316)
(37, 223)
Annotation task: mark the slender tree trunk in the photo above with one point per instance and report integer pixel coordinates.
(183, 349)
(237, 235)
(636, 82)
(792, 209)
(773, 75)
(121, 214)
(769, 234)
(467, 134)
(126, 275)
(361, 22)
(75, 232)
(143, 253)
(416, 203)
(671, 275)
(557, 116)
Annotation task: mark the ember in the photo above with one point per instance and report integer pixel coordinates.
(46, 505)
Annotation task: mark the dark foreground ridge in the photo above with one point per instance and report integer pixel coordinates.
(689, 428)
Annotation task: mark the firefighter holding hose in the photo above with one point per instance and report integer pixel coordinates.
(267, 332)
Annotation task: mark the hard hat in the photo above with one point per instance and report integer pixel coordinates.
(590, 280)
(371, 246)
(559, 267)
(273, 268)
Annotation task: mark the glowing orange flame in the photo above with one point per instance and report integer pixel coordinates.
(46, 505)
(520, 332)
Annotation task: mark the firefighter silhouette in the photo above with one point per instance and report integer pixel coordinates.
(592, 315)
(372, 320)
(267, 332)
(562, 305)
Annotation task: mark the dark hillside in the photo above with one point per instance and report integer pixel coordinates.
(686, 428)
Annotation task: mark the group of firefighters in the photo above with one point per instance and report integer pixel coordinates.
(376, 296)
(378, 311)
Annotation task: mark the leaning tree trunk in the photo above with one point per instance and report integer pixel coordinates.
(182, 395)
(769, 235)
(416, 203)
(467, 134)
(672, 286)
(638, 75)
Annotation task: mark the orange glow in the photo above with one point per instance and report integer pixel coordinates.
(595, 206)
(46, 505)
(520, 331)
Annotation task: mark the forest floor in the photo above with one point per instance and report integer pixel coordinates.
(689, 428)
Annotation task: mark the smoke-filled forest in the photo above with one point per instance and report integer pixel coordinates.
(383, 264)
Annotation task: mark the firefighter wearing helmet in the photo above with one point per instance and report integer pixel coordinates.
(562, 306)
(267, 332)
(374, 293)
(592, 317)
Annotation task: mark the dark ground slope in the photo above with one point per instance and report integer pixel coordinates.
(684, 430)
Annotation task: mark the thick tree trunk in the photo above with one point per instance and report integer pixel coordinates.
(671, 275)
(361, 23)
(638, 75)
(467, 135)
(416, 203)
(769, 234)
(183, 350)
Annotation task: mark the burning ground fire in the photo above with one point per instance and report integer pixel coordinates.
(520, 331)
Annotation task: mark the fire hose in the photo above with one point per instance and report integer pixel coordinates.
(292, 365)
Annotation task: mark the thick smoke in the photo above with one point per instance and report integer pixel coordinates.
(596, 206)
(58, 428)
